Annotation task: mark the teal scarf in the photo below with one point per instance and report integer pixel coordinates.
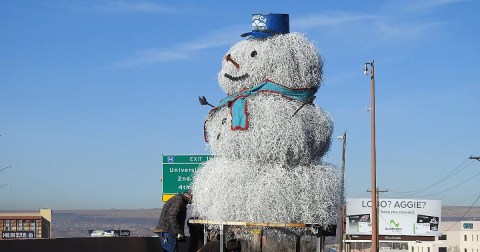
(238, 104)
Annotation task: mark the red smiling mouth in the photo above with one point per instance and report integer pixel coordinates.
(236, 78)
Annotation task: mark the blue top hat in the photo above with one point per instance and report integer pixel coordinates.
(266, 25)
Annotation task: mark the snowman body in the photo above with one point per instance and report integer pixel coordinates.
(270, 168)
(274, 133)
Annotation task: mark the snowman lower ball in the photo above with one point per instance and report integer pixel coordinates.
(267, 136)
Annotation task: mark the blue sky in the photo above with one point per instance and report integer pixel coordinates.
(94, 92)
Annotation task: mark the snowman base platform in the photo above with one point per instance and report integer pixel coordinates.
(256, 227)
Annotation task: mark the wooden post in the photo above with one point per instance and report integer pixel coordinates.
(257, 240)
(374, 219)
(342, 216)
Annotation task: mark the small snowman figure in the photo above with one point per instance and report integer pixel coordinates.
(267, 136)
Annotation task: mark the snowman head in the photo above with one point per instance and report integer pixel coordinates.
(290, 60)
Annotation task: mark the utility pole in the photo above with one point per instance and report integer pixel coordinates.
(377, 191)
(342, 216)
(373, 155)
(475, 157)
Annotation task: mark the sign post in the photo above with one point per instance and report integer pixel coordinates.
(178, 172)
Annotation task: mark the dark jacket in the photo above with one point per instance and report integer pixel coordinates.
(172, 218)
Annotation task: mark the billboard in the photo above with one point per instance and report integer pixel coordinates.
(108, 233)
(413, 217)
(101, 233)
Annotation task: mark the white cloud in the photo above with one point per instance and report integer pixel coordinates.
(126, 7)
(182, 51)
(409, 20)
(151, 56)
(386, 25)
(404, 31)
(330, 19)
(215, 39)
(395, 22)
(430, 4)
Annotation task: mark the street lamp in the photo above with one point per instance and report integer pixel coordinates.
(373, 156)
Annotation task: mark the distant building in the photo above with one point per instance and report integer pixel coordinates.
(26, 225)
(461, 236)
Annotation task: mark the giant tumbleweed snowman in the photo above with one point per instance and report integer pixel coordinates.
(267, 136)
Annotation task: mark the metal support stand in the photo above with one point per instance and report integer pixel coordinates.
(319, 244)
(297, 243)
(205, 234)
(222, 239)
(321, 233)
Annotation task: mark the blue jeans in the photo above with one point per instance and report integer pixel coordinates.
(167, 241)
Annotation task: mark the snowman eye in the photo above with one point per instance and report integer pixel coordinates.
(253, 54)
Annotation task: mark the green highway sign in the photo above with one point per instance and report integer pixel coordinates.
(178, 172)
(183, 159)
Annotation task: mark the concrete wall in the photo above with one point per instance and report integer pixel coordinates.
(96, 244)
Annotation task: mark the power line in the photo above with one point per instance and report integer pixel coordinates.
(462, 200)
(470, 208)
(449, 175)
(478, 159)
(457, 185)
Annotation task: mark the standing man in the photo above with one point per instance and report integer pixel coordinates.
(172, 220)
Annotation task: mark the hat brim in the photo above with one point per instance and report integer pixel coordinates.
(259, 34)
